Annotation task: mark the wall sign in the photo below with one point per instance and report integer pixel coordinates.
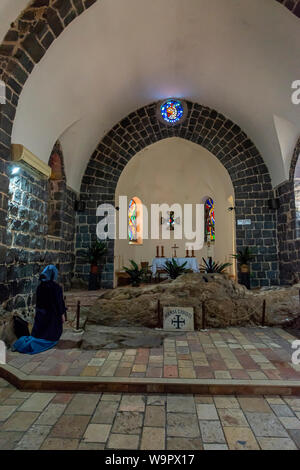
(244, 222)
(178, 319)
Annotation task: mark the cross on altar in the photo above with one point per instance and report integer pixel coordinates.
(177, 322)
(175, 247)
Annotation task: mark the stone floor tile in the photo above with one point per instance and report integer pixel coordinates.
(132, 403)
(155, 416)
(34, 438)
(255, 404)
(51, 414)
(203, 399)
(290, 422)
(207, 412)
(97, 433)
(212, 432)
(274, 400)
(181, 443)
(295, 435)
(282, 410)
(9, 440)
(226, 402)
(6, 411)
(111, 397)
(91, 446)
(293, 402)
(182, 425)
(128, 422)
(183, 403)
(240, 438)
(215, 447)
(70, 426)
(153, 438)
(232, 417)
(37, 402)
(123, 441)
(157, 400)
(19, 421)
(105, 412)
(54, 443)
(276, 443)
(266, 425)
(83, 404)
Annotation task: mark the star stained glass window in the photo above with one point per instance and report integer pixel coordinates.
(172, 111)
(210, 228)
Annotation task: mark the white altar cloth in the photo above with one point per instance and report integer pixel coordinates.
(159, 263)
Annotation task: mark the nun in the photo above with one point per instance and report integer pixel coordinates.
(49, 318)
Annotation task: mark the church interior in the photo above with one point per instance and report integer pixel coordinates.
(149, 225)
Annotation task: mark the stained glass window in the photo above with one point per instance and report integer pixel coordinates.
(132, 221)
(210, 228)
(172, 111)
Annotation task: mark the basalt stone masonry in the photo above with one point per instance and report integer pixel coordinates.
(30, 247)
(288, 226)
(216, 133)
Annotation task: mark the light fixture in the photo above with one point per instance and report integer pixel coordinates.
(15, 170)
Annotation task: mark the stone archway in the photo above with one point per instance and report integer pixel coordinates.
(287, 230)
(213, 131)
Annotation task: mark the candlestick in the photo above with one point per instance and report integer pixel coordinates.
(157, 252)
(187, 253)
(193, 253)
(162, 251)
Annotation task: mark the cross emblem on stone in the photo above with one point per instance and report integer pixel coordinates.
(175, 247)
(178, 322)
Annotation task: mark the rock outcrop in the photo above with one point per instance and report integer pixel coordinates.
(227, 303)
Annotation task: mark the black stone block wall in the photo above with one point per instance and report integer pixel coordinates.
(30, 248)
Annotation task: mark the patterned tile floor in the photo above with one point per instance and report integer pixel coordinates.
(53, 421)
(233, 353)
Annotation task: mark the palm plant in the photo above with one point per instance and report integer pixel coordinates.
(94, 255)
(135, 273)
(95, 252)
(213, 267)
(244, 256)
(174, 269)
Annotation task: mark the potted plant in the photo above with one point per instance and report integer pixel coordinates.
(94, 255)
(213, 267)
(135, 274)
(174, 269)
(244, 258)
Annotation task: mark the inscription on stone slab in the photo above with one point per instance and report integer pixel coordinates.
(244, 222)
(178, 319)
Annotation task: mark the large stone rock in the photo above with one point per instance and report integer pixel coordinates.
(227, 303)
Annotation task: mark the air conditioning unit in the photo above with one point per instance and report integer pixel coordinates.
(23, 157)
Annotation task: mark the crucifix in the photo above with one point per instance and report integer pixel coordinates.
(174, 252)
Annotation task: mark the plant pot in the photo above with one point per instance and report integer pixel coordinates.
(245, 268)
(94, 278)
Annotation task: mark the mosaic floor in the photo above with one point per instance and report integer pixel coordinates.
(54, 421)
(233, 353)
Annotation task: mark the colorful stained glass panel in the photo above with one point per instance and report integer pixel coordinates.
(132, 221)
(172, 111)
(210, 228)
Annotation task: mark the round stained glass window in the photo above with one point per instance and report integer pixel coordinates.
(172, 111)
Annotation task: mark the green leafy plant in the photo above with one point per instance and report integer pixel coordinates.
(174, 269)
(244, 256)
(213, 267)
(136, 274)
(96, 251)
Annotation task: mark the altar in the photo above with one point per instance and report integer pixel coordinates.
(159, 263)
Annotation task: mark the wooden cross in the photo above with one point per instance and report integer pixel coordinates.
(175, 248)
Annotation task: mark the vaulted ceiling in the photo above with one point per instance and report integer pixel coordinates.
(239, 57)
